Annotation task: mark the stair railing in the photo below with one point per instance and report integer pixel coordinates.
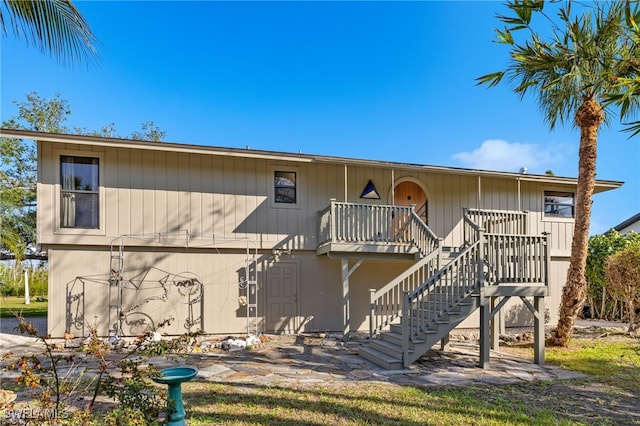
(422, 236)
(497, 221)
(386, 303)
(455, 281)
(470, 230)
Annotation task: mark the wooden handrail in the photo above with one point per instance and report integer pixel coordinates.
(442, 290)
(498, 221)
(385, 304)
(490, 259)
(372, 223)
(367, 223)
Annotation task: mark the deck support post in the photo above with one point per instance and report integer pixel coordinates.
(537, 309)
(495, 325)
(346, 273)
(485, 319)
(444, 343)
(538, 332)
(345, 299)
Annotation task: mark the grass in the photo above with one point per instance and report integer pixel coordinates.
(614, 361)
(11, 304)
(353, 404)
(607, 397)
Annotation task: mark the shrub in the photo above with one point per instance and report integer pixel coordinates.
(623, 280)
(12, 279)
(58, 381)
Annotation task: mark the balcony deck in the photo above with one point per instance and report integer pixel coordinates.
(373, 231)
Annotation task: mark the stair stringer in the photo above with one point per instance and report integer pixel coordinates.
(456, 283)
(439, 328)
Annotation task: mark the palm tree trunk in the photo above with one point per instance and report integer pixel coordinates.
(588, 117)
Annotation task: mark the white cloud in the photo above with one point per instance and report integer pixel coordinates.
(495, 154)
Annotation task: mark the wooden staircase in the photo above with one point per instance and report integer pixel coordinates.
(425, 303)
(386, 351)
(430, 320)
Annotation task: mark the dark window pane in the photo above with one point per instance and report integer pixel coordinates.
(286, 195)
(79, 173)
(560, 204)
(285, 187)
(86, 210)
(79, 179)
(287, 179)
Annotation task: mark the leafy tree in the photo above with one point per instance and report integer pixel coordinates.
(150, 132)
(580, 64)
(107, 131)
(601, 247)
(55, 26)
(18, 170)
(18, 165)
(623, 280)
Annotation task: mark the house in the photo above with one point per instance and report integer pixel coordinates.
(231, 241)
(630, 225)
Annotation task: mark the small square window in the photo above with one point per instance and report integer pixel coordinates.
(285, 190)
(559, 204)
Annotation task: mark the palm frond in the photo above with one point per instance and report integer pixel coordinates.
(633, 128)
(591, 54)
(490, 79)
(55, 26)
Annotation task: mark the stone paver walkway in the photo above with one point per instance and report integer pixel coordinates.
(309, 361)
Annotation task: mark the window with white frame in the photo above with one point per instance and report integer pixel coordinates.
(79, 192)
(285, 187)
(559, 204)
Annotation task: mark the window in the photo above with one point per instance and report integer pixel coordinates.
(284, 184)
(559, 204)
(79, 192)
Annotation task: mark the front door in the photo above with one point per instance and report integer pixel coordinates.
(409, 193)
(282, 298)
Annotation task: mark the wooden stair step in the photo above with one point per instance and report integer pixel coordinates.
(380, 359)
(396, 331)
(386, 347)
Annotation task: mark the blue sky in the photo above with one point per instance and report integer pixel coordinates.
(376, 80)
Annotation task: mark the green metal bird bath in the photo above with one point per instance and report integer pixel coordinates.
(173, 378)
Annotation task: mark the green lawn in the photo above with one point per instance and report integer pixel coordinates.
(607, 397)
(11, 304)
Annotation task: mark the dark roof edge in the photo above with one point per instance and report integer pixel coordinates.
(602, 185)
(633, 219)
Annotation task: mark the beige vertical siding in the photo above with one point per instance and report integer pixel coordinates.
(225, 205)
(172, 193)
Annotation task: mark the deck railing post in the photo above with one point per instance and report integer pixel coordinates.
(333, 220)
(465, 226)
(482, 255)
(405, 328)
(372, 310)
(547, 261)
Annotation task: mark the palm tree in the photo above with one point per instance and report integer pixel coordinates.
(55, 26)
(577, 73)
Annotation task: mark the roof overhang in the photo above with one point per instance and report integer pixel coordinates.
(633, 219)
(601, 185)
